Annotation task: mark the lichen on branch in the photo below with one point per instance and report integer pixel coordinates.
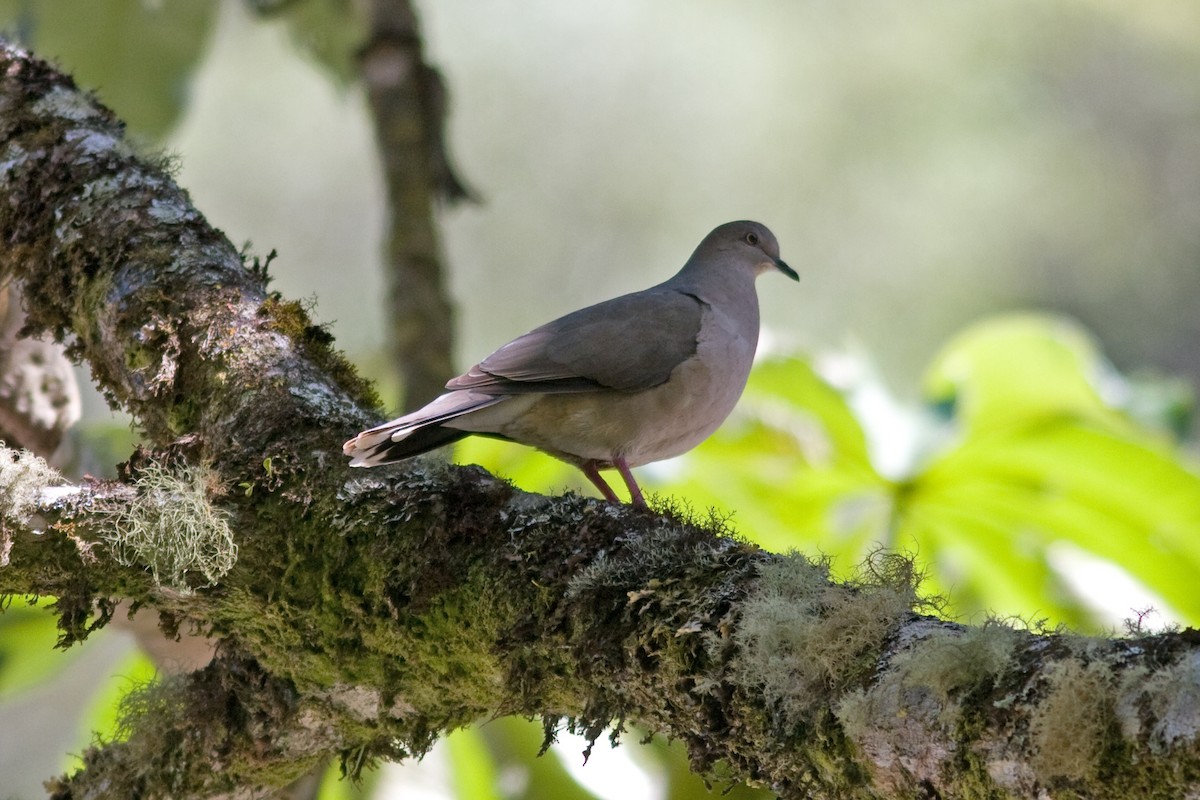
(23, 476)
(171, 528)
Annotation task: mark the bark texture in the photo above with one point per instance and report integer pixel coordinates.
(362, 614)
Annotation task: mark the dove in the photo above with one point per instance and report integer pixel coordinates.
(633, 380)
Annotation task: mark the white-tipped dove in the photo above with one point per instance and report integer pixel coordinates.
(632, 380)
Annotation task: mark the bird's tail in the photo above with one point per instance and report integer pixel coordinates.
(419, 432)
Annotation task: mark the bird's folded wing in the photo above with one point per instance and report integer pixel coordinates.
(627, 344)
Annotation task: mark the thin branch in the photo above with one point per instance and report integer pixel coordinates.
(408, 104)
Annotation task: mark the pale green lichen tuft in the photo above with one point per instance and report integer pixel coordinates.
(22, 478)
(1068, 728)
(1175, 700)
(172, 529)
(949, 663)
(803, 637)
(1172, 696)
(926, 689)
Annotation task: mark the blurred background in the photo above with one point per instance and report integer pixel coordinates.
(929, 168)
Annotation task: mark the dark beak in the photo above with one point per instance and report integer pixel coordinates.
(786, 270)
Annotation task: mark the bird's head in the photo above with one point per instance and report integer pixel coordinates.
(745, 244)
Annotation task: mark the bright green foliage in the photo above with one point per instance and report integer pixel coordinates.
(27, 654)
(1005, 373)
(471, 765)
(1044, 452)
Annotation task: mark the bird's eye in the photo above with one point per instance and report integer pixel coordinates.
(752, 238)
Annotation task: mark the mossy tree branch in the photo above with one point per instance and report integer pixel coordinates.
(367, 613)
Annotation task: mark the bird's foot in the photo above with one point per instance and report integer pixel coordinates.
(592, 470)
(593, 474)
(635, 491)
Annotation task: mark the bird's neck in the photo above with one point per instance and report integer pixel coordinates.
(732, 290)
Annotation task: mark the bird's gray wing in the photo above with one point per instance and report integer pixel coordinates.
(627, 344)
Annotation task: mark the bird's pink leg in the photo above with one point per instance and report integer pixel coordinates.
(593, 474)
(635, 492)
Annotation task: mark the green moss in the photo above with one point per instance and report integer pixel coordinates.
(423, 640)
(451, 646)
(290, 318)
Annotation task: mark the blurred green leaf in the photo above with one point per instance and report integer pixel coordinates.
(1045, 454)
(27, 655)
(1011, 496)
(790, 393)
(137, 56)
(514, 743)
(472, 766)
(1008, 370)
